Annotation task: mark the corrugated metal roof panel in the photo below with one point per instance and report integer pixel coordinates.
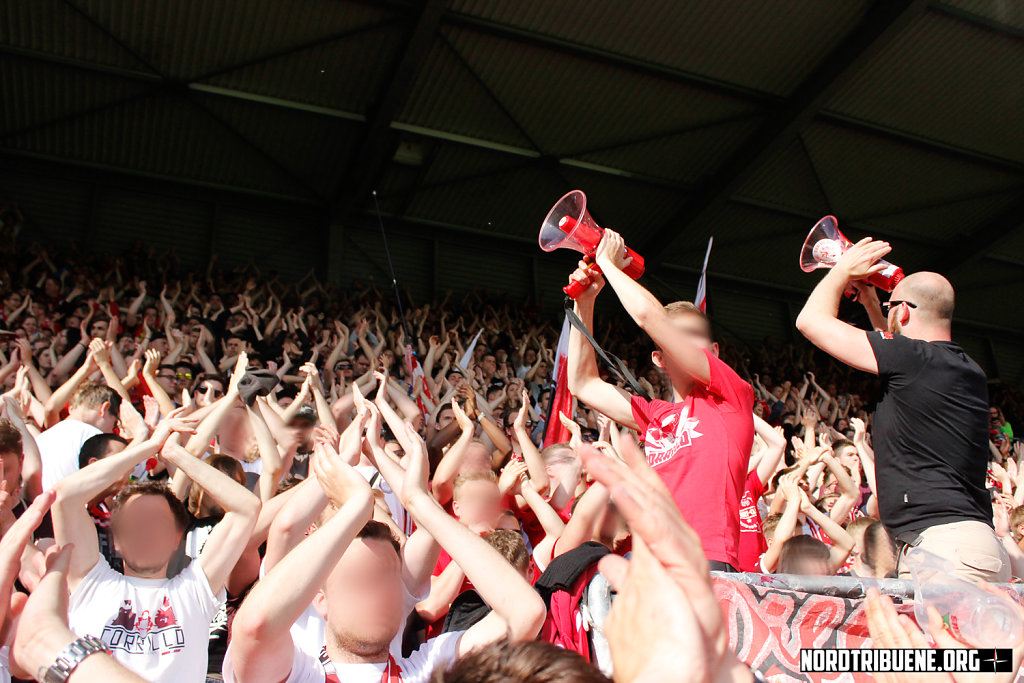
(447, 96)
(347, 74)
(154, 220)
(1009, 359)
(968, 95)
(186, 38)
(161, 135)
(1014, 246)
(46, 92)
(56, 210)
(478, 267)
(452, 162)
(314, 148)
(788, 180)
(54, 27)
(1008, 12)
(289, 241)
(363, 259)
(865, 175)
(947, 221)
(569, 105)
(512, 203)
(632, 208)
(758, 44)
(686, 157)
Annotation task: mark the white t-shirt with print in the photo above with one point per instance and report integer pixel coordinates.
(158, 628)
(59, 447)
(417, 668)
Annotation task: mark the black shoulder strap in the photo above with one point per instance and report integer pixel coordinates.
(614, 363)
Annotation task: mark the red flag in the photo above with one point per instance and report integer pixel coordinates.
(416, 376)
(701, 300)
(561, 401)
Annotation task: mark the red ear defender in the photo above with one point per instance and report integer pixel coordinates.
(825, 244)
(568, 225)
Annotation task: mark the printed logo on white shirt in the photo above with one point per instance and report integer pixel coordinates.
(140, 633)
(665, 439)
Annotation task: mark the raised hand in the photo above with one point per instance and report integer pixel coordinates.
(339, 480)
(510, 475)
(611, 251)
(861, 260)
(465, 424)
(241, 363)
(152, 362)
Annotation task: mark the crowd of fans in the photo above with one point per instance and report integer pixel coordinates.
(263, 480)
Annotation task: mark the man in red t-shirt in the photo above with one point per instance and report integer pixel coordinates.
(700, 443)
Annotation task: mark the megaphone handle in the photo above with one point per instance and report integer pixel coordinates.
(574, 288)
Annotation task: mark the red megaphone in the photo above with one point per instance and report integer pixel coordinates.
(569, 225)
(825, 244)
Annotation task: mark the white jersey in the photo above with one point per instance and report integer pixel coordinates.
(158, 628)
(59, 447)
(417, 668)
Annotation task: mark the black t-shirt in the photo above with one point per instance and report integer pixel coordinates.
(930, 434)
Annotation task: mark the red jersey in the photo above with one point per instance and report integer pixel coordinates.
(752, 543)
(701, 447)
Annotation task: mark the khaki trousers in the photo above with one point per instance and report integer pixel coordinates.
(973, 548)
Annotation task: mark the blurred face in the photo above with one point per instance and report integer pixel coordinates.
(812, 567)
(849, 458)
(30, 325)
(362, 365)
(13, 300)
(149, 317)
(235, 346)
(530, 357)
(209, 390)
(146, 534)
(12, 474)
(98, 329)
(489, 365)
(168, 379)
(344, 368)
(477, 504)
(362, 599)
(445, 417)
(455, 379)
(160, 345)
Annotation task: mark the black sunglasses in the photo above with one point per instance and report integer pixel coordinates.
(887, 305)
(203, 390)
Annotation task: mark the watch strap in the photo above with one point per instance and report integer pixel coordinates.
(70, 657)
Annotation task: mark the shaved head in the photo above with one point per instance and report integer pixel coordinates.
(931, 292)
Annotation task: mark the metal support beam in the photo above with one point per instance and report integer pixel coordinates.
(918, 141)
(883, 20)
(617, 60)
(378, 145)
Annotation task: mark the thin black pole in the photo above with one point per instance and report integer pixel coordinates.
(391, 267)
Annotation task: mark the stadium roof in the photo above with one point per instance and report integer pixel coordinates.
(743, 119)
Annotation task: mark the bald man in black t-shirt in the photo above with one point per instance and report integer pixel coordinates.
(931, 426)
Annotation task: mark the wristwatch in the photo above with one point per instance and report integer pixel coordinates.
(69, 659)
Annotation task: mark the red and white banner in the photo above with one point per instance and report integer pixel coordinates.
(701, 300)
(418, 379)
(561, 400)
